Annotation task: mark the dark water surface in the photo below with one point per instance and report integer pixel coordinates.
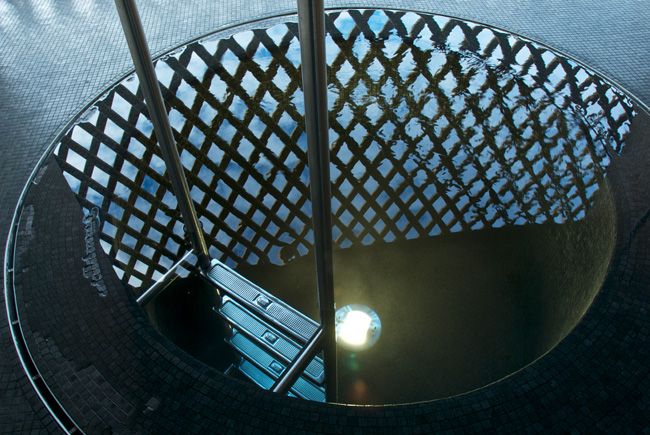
(457, 311)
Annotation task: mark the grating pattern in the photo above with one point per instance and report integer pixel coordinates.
(437, 125)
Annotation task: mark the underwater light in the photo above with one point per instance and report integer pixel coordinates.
(357, 327)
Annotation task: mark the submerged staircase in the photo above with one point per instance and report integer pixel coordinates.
(267, 333)
(271, 338)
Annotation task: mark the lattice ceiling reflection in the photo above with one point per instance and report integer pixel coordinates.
(437, 126)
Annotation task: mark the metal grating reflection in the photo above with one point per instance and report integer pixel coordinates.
(437, 125)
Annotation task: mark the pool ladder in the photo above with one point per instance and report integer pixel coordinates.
(267, 333)
(278, 344)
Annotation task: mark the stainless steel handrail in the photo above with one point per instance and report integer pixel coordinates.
(144, 68)
(159, 285)
(311, 24)
(299, 363)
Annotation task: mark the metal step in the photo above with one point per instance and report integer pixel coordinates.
(269, 308)
(257, 376)
(268, 338)
(271, 368)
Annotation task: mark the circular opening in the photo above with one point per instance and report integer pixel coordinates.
(470, 203)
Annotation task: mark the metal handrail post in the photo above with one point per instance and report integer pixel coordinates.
(299, 363)
(311, 24)
(144, 68)
(160, 284)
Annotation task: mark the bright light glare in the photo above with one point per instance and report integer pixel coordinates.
(354, 328)
(357, 327)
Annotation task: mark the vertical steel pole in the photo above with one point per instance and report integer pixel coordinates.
(311, 23)
(144, 68)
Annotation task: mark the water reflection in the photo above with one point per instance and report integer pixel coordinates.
(437, 126)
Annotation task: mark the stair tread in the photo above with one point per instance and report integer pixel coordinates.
(268, 338)
(273, 310)
(272, 368)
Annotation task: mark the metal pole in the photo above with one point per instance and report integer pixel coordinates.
(161, 283)
(298, 365)
(311, 23)
(144, 68)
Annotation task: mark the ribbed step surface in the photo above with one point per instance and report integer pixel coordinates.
(267, 333)
(268, 338)
(267, 307)
(271, 368)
